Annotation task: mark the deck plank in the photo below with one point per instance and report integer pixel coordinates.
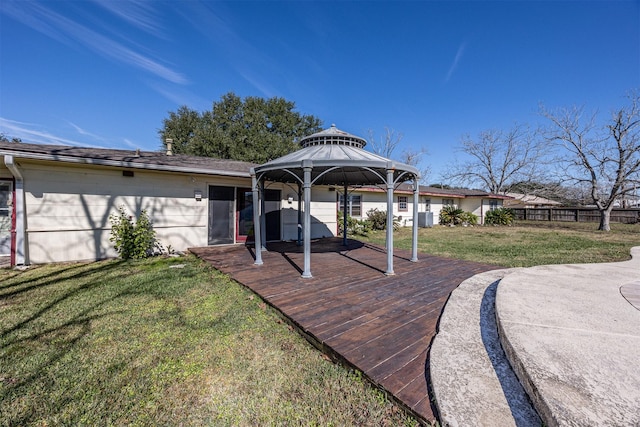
(382, 325)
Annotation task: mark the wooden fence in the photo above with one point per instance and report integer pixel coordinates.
(624, 216)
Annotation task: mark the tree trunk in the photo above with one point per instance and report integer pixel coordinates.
(605, 215)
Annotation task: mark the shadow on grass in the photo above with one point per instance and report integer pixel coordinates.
(61, 336)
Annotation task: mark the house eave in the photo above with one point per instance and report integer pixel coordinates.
(123, 164)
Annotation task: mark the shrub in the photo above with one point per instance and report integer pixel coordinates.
(469, 218)
(378, 219)
(132, 240)
(354, 226)
(500, 216)
(450, 215)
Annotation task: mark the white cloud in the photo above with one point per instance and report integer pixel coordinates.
(456, 61)
(83, 132)
(32, 133)
(68, 31)
(140, 14)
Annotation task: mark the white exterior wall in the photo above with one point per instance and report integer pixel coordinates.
(378, 200)
(323, 213)
(68, 207)
(437, 203)
(473, 205)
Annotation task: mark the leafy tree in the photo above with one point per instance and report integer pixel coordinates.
(603, 158)
(252, 129)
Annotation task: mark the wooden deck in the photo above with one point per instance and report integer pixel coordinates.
(381, 325)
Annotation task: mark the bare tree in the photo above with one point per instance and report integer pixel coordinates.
(604, 158)
(413, 157)
(385, 145)
(498, 159)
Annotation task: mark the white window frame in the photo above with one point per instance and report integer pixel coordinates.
(403, 204)
(354, 203)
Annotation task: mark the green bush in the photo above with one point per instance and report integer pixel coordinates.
(132, 240)
(469, 218)
(354, 226)
(500, 216)
(450, 215)
(378, 219)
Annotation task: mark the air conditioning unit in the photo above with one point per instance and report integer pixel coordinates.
(425, 219)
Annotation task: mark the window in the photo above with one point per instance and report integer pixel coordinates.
(493, 205)
(354, 205)
(427, 205)
(402, 204)
(448, 202)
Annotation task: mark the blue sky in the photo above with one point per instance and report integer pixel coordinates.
(106, 73)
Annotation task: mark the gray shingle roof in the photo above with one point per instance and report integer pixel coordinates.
(153, 160)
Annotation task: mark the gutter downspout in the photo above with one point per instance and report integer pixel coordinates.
(21, 250)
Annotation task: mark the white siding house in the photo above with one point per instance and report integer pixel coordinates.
(55, 201)
(431, 199)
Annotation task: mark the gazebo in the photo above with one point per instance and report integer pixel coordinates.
(332, 157)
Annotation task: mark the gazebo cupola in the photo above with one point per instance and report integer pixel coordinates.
(332, 136)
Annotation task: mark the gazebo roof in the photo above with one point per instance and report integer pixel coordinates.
(336, 158)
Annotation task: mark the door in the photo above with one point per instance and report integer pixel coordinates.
(272, 201)
(6, 194)
(244, 215)
(221, 215)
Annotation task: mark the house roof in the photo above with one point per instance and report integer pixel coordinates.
(150, 160)
(440, 192)
(530, 199)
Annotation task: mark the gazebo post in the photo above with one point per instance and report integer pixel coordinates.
(299, 243)
(256, 218)
(306, 167)
(414, 238)
(344, 216)
(390, 171)
(263, 219)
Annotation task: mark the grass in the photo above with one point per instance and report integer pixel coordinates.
(171, 341)
(163, 342)
(523, 245)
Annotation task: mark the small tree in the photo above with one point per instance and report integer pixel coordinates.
(132, 240)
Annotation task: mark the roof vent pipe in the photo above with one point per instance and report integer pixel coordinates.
(169, 142)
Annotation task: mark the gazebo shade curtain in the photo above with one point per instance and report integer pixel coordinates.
(334, 157)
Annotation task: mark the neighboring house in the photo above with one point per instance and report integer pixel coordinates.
(431, 199)
(520, 201)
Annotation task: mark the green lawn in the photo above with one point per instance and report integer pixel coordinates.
(523, 245)
(142, 343)
(145, 343)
